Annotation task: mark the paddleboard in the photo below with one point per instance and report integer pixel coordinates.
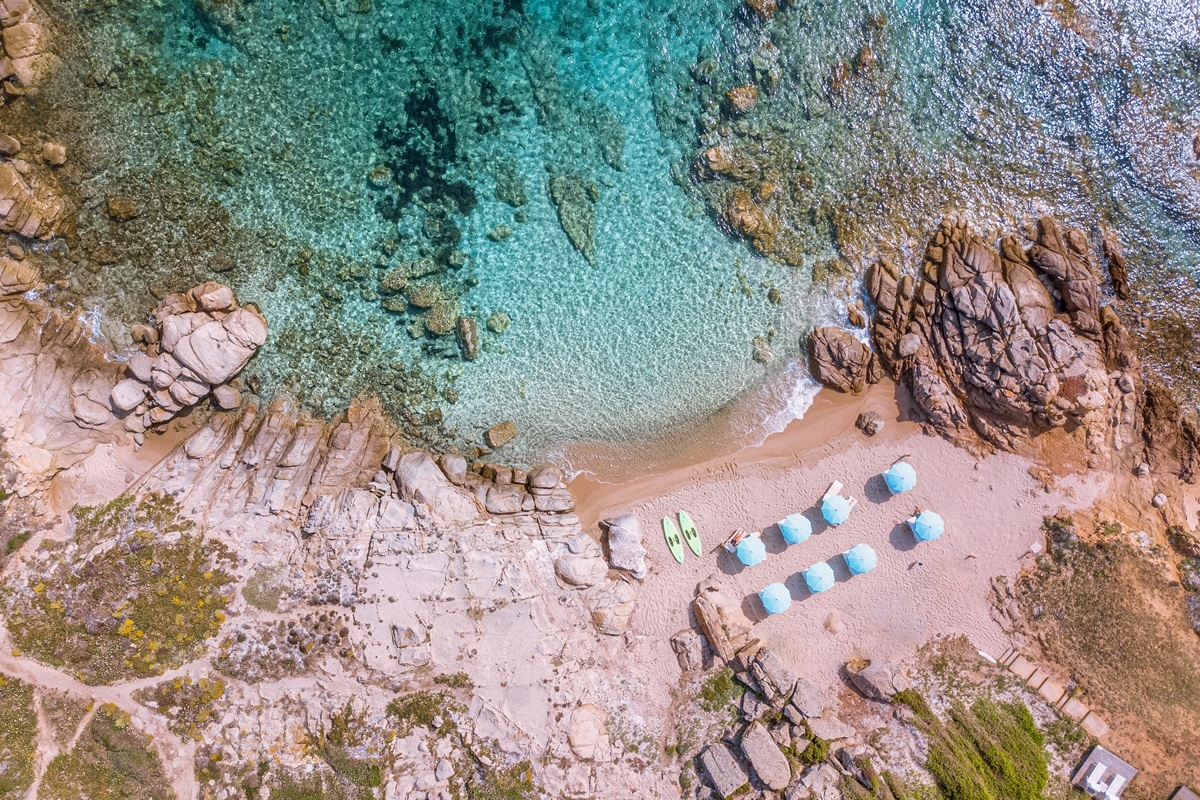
(688, 528)
(673, 540)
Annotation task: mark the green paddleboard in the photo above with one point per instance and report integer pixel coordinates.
(688, 529)
(673, 541)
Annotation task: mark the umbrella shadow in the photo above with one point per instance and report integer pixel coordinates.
(877, 490)
(796, 585)
(814, 515)
(753, 609)
(841, 570)
(729, 563)
(774, 542)
(902, 538)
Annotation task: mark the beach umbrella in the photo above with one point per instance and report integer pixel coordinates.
(860, 558)
(775, 598)
(927, 526)
(819, 577)
(751, 551)
(900, 477)
(835, 509)
(795, 528)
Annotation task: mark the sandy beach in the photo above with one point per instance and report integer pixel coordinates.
(992, 506)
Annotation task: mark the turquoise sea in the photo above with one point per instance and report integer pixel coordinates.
(302, 150)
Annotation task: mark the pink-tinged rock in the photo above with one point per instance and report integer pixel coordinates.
(127, 395)
(11, 11)
(213, 296)
(141, 367)
(227, 397)
(212, 354)
(22, 40)
(177, 326)
(247, 327)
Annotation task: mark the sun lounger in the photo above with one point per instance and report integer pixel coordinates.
(736, 538)
(834, 488)
(1114, 788)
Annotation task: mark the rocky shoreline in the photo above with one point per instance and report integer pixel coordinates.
(256, 599)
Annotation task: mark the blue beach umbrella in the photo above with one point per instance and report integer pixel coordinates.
(861, 558)
(776, 598)
(819, 577)
(751, 551)
(900, 477)
(795, 528)
(835, 509)
(927, 526)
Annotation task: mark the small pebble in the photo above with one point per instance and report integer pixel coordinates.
(1159, 500)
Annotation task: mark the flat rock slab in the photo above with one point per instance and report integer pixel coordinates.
(723, 769)
(829, 728)
(1022, 668)
(769, 762)
(810, 699)
(1075, 709)
(1095, 726)
(1052, 690)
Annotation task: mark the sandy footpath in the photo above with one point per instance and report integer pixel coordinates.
(992, 508)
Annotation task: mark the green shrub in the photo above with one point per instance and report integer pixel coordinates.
(417, 710)
(15, 543)
(508, 783)
(991, 751)
(816, 752)
(720, 691)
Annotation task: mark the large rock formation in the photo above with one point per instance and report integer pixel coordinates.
(204, 339)
(997, 344)
(842, 362)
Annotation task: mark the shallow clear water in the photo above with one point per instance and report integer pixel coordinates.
(248, 132)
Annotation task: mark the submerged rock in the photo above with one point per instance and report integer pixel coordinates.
(742, 99)
(498, 322)
(467, 332)
(500, 435)
(576, 199)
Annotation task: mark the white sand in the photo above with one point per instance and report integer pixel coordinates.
(992, 509)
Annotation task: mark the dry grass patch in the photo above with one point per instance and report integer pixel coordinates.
(1110, 618)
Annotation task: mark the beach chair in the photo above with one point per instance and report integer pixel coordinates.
(834, 488)
(736, 538)
(1114, 788)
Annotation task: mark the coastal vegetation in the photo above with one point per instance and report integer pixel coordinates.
(186, 703)
(992, 750)
(18, 732)
(134, 593)
(111, 761)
